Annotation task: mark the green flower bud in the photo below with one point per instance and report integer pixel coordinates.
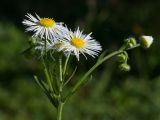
(146, 41)
(32, 41)
(59, 45)
(130, 42)
(124, 67)
(122, 57)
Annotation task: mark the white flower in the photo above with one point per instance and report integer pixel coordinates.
(146, 41)
(45, 28)
(78, 43)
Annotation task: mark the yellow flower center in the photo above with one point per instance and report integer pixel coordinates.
(78, 42)
(47, 22)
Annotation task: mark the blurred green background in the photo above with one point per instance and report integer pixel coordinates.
(111, 94)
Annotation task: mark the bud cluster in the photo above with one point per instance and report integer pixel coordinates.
(130, 43)
(122, 59)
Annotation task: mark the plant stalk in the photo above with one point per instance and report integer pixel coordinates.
(81, 81)
(60, 103)
(60, 69)
(65, 65)
(93, 68)
(59, 111)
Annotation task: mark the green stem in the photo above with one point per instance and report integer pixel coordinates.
(59, 111)
(45, 47)
(65, 65)
(81, 81)
(60, 103)
(60, 69)
(93, 68)
(137, 45)
(48, 79)
(47, 76)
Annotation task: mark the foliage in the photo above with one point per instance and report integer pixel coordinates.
(106, 97)
(110, 95)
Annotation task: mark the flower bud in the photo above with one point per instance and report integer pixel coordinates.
(58, 45)
(130, 42)
(124, 67)
(122, 57)
(146, 41)
(32, 41)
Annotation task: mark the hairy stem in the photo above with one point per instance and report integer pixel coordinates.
(99, 62)
(60, 69)
(65, 65)
(59, 111)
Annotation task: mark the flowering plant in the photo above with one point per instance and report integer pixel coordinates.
(56, 44)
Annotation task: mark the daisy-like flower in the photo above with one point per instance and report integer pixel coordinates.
(78, 43)
(45, 28)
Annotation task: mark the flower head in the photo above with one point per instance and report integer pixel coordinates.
(78, 43)
(146, 41)
(45, 28)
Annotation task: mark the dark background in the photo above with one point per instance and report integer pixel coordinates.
(111, 94)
